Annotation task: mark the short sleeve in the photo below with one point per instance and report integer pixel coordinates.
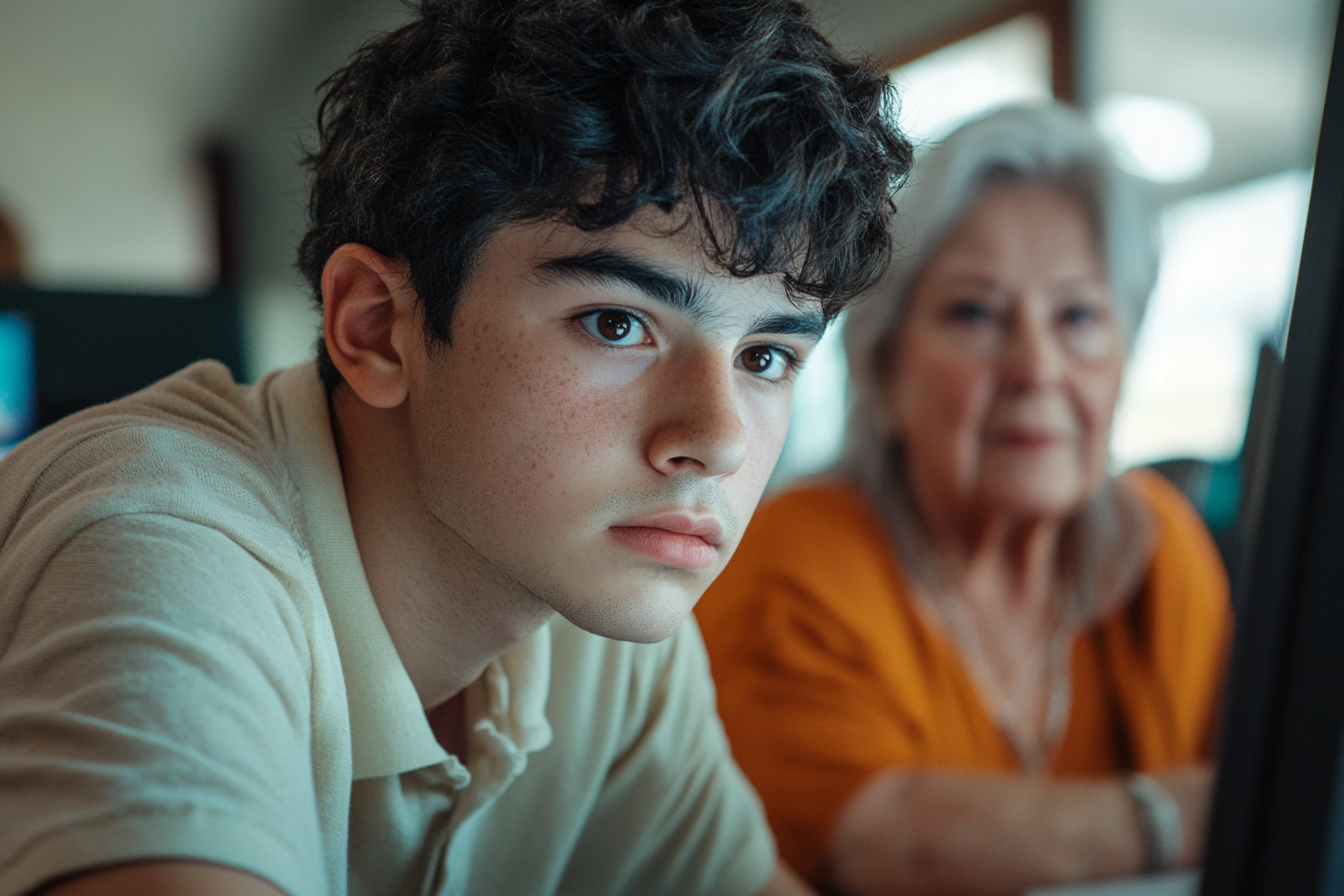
(154, 703)
(675, 816)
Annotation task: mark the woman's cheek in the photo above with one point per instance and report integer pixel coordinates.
(1097, 392)
(1095, 395)
(961, 393)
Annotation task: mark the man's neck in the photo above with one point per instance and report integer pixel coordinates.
(448, 610)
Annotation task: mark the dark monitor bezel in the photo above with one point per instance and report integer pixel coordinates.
(93, 347)
(1270, 822)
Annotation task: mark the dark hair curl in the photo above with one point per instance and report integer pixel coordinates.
(478, 113)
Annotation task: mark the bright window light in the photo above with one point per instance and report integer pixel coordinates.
(817, 427)
(946, 88)
(1161, 139)
(1228, 267)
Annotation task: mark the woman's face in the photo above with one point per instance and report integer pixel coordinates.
(1005, 373)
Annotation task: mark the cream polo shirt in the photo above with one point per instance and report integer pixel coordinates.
(192, 665)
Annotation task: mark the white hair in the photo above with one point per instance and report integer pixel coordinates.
(1049, 144)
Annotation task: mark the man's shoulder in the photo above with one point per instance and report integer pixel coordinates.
(192, 418)
(195, 447)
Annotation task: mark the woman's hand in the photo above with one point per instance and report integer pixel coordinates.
(986, 835)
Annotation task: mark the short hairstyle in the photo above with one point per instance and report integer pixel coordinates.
(1048, 144)
(480, 113)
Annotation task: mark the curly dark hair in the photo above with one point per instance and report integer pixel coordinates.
(480, 113)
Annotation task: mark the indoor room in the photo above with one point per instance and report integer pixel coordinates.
(153, 196)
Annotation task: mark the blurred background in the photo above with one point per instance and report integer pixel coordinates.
(148, 164)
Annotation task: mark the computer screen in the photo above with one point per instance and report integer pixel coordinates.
(92, 347)
(18, 381)
(1278, 820)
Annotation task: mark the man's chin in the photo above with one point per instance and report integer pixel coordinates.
(642, 618)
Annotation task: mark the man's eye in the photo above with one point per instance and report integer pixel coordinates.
(766, 362)
(614, 327)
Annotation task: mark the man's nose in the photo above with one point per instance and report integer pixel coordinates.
(698, 424)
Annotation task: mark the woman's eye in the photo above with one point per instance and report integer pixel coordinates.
(1087, 330)
(1074, 315)
(614, 327)
(766, 362)
(970, 312)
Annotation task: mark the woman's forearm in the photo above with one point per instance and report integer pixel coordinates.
(984, 835)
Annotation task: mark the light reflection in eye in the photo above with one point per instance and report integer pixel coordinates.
(614, 327)
(767, 362)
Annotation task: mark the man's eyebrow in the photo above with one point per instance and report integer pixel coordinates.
(803, 323)
(605, 265)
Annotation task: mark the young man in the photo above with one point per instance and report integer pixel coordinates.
(349, 630)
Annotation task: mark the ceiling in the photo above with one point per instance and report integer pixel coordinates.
(80, 78)
(1256, 68)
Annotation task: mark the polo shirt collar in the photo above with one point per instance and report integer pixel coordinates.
(389, 732)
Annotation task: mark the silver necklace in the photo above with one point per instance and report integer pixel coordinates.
(1034, 748)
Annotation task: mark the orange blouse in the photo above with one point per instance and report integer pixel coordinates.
(827, 673)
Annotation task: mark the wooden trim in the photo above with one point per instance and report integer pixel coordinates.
(217, 162)
(1059, 20)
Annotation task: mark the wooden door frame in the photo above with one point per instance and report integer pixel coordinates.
(1059, 20)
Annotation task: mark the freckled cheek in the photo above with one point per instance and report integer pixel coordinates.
(527, 416)
(571, 430)
(766, 427)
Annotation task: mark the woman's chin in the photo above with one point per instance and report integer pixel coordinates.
(1044, 487)
(1037, 499)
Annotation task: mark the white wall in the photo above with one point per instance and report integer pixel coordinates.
(269, 124)
(102, 105)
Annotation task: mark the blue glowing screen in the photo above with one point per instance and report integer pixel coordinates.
(18, 385)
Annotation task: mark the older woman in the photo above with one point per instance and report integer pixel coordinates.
(971, 660)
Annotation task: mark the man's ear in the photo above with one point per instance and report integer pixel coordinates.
(369, 323)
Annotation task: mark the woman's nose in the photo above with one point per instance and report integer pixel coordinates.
(1033, 355)
(698, 425)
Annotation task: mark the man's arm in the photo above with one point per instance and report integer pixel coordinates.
(153, 706)
(985, 835)
(163, 879)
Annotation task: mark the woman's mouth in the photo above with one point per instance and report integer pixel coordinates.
(1026, 440)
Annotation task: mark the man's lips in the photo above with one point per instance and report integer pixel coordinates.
(674, 539)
